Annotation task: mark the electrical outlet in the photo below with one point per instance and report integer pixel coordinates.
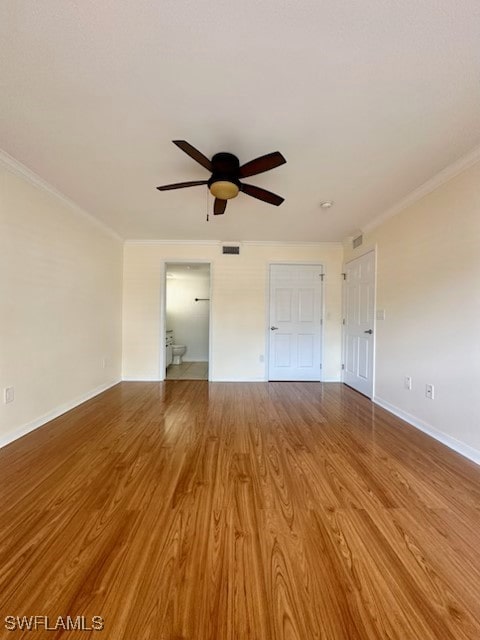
(430, 391)
(408, 383)
(8, 395)
(261, 358)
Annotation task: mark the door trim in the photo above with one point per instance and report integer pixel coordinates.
(293, 263)
(163, 312)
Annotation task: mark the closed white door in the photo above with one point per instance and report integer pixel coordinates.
(359, 323)
(295, 322)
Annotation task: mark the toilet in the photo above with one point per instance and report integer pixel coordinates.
(178, 351)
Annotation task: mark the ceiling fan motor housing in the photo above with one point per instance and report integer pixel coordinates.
(224, 183)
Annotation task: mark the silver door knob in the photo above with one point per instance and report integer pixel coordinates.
(273, 328)
(370, 331)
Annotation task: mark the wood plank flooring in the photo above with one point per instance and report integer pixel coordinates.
(270, 511)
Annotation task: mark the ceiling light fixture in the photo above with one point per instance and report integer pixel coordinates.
(326, 204)
(224, 189)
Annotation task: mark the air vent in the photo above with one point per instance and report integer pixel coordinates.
(235, 251)
(357, 241)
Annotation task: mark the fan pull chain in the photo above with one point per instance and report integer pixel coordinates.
(208, 217)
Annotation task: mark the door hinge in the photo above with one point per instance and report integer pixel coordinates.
(322, 275)
(343, 321)
(343, 367)
(344, 276)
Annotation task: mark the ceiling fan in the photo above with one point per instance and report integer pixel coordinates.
(224, 182)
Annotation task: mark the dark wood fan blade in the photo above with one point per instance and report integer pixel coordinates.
(181, 185)
(259, 165)
(195, 154)
(261, 194)
(219, 207)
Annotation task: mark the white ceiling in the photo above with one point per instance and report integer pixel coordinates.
(366, 100)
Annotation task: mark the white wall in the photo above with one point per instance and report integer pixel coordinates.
(188, 319)
(428, 276)
(60, 303)
(238, 306)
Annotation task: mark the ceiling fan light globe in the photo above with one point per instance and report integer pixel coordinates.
(224, 190)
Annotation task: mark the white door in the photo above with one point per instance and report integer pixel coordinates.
(359, 323)
(295, 322)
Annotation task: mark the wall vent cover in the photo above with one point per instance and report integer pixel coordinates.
(357, 241)
(235, 251)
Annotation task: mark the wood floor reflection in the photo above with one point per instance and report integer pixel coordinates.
(267, 511)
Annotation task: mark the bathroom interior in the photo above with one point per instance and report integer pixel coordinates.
(187, 320)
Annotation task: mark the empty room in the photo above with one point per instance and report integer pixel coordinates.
(239, 265)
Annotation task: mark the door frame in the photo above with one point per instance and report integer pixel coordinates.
(293, 263)
(371, 249)
(163, 311)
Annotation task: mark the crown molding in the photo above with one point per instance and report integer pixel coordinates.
(216, 243)
(290, 243)
(245, 243)
(443, 176)
(17, 168)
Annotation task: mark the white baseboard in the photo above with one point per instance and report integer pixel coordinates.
(460, 447)
(51, 415)
(267, 380)
(237, 380)
(146, 379)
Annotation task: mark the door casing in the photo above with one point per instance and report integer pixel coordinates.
(163, 313)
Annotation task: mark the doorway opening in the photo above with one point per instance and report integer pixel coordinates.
(187, 320)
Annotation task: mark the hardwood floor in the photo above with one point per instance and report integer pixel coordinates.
(267, 511)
